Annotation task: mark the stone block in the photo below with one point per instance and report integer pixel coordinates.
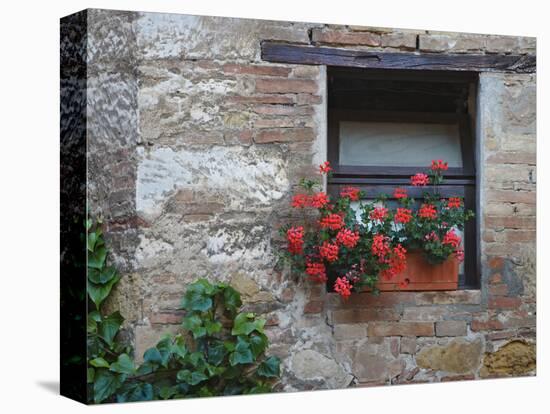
(450, 328)
(458, 356)
(400, 329)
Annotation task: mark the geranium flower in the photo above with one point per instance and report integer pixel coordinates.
(459, 254)
(452, 239)
(439, 165)
(420, 179)
(454, 202)
(319, 200)
(351, 192)
(300, 201)
(332, 221)
(427, 211)
(343, 287)
(348, 238)
(325, 168)
(402, 215)
(380, 246)
(400, 193)
(379, 213)
(316, 272)
(295, 237)
(329, 251)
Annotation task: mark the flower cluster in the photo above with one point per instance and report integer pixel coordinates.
(352, 251)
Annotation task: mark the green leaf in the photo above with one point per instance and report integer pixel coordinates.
(123, 365)
(101, 276)
(193, 323)
(96, 259)
(91, 325)
(90, 375)
(212, 327)
(99, 292)
(99, 363)
(242, 353)
(198, 296)
(165, 350)
(216, 352)
(244, 324)
(260, 389)
(232, 299)
(178, 346)
(92, 239)
(105, 384)
(109, 327)
(258, 344)
(152, 355)
(191, 377)
(137, 392)
(269, 368)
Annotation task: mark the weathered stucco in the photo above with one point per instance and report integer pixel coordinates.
(194, 146)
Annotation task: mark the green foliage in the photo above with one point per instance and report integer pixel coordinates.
(222, 352)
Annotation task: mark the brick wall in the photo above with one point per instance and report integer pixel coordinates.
(195, 145)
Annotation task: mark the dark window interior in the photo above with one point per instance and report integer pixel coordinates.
(386, 125)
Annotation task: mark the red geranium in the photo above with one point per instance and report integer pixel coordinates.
(351, 192)
(319, 200)
(427, 211)
(400, 193)
(420, 179)
(403, 215)
(343, 287)
(454, 202)
(317, 272)
(452, 239)
(329, 251)
(380, 246)
(379, 213)
(295, 237)
(439, 165)
(325, 168)
(300, 201)
(348, 238)
(332, 221)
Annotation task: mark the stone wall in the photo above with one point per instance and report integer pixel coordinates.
(195, 145)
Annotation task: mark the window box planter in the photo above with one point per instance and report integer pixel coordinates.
(422, 275)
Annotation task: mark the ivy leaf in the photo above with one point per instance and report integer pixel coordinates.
(191, 378)
(153, 356)
(178, 346)
(98, 292)
(258, 344)
(232, 299)
(269, 368)
(198, 296)
(244, 324)
(165, 350)
(105, 384)
(90, 374)
(242, 353)
(123, 365)
(216, 353)
(91, 325)
(109, 327)
(167, 392)
(260, 389)
(193, 323)
(96, 259)
(99, 363)
(212, 327)
(137, 392)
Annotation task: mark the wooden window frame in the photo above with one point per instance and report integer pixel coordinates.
(383, 179)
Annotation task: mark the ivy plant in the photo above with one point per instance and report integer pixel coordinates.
(221, 350)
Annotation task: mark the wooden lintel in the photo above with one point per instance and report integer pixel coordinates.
(331, 56)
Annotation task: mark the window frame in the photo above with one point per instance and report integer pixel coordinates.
(383, 179)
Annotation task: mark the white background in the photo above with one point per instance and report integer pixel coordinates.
(29, 275)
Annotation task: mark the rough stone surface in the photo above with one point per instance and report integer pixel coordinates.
(458, 356)
(194, 147)
(512, 359)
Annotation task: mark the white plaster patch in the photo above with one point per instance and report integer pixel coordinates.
(250, 177)
(150, 250)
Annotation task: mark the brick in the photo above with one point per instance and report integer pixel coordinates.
(346, 316)
(283, 110)
(399, 40)
(512, 157)
(314, 306)
(400, 329)
(287, 295)
(463, 297)
(495, 279)
(351, 331)
(509, 209)
(519, 236)
(337, 37)
(383, 300)
(450, 328)
(527, 197)
(308, 99)
(490, 325)
(455, 43)
(498, 290)
(496, 263)
(504, 302)
(496, 336)
(285, 122)
(256, 70)
(262, 99)
(166, 318)
(243, 137)
(408, 345)
(284, 135)
(306, 71)
(286, 86)
(425, 313)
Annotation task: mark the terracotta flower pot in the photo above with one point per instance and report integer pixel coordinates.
(421, 275)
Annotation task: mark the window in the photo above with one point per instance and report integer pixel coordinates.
(384, 126)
